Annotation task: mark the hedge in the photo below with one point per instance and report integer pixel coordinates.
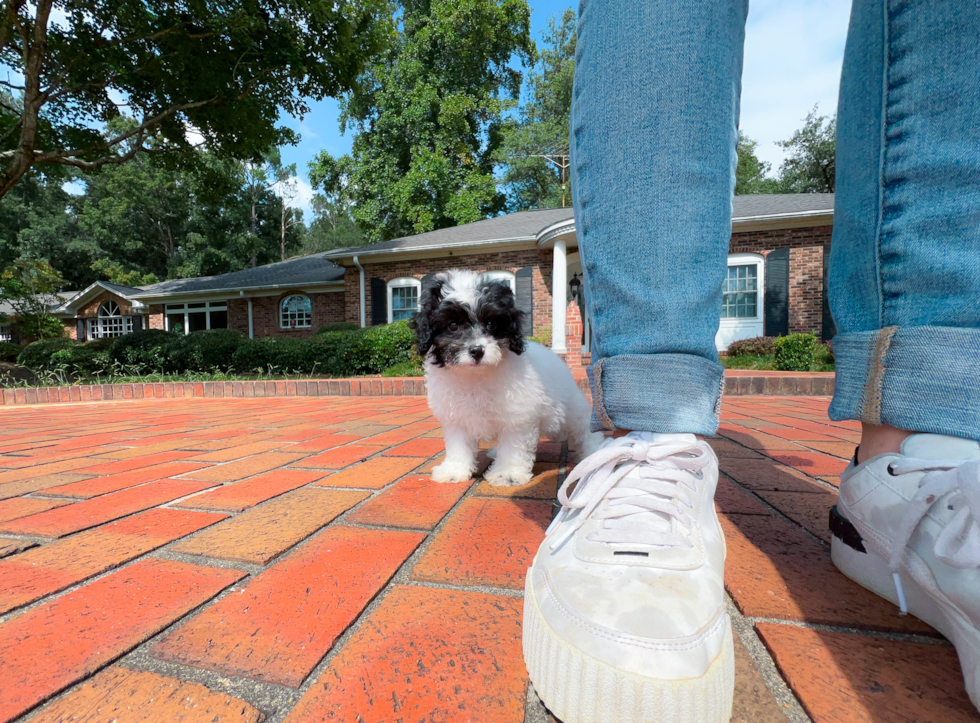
(794, 353)
(152, 351)
(756, 346)
(9, 352)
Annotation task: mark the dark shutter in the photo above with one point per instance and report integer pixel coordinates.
(427, 281)
(524, 282)
(829, 327)
(379, 302)
(15, 333)
(137, 324)
(80, 330)
(777, 293)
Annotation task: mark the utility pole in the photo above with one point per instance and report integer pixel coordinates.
(560, 162)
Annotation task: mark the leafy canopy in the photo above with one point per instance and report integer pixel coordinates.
(541, 127)
(428, 115)
(222, 70)
(29, 286)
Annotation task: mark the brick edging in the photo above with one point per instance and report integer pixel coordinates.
(768, 383)
(392, 386)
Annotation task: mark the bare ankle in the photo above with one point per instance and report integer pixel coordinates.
(880, 439)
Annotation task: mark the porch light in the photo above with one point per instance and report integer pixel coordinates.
(576, 286)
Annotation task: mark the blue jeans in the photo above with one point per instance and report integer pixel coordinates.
(654, 118)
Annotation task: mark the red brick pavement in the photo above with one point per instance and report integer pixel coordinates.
(242, 560)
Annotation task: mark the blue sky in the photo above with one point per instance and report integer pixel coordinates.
(792, 62)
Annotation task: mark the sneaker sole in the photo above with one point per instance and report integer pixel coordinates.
(870, 571)
(578, 688)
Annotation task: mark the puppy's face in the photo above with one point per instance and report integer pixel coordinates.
(466, 322)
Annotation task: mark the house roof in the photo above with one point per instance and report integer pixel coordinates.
(529, 225)
(73, 299)
(7, 309)
(299, 271)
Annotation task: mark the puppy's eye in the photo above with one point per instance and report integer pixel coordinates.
(491, 326)
(453, 326)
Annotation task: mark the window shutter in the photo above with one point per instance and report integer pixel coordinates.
(137, 324)
(80, 330)
(777, 293)
(829, 327)
(379, 302)
(524, 282)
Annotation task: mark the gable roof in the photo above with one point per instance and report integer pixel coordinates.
(300, 271)
(530, 225)
(71, 303)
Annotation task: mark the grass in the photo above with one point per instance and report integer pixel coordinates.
(823, 361)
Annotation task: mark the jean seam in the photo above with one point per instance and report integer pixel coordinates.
(597, 405)
(874, 384)
(879, 226)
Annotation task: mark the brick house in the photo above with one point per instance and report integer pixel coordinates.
(775, 283)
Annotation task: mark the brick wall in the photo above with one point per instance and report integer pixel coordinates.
(504, 261)
(805, 269)
(152, 317)
(327, 307)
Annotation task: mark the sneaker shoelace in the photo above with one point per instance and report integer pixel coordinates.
(958, 545)
(647, 508)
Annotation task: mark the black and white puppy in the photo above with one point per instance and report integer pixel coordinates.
(487, 382)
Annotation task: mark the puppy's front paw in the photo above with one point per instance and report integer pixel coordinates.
(451, 472)
(508, 477)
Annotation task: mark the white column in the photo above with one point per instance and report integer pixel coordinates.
(251, 320)
(559, 283)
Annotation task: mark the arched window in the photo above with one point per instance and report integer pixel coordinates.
(506, 276)
(403, 298)
(296, 312)
(110, 322)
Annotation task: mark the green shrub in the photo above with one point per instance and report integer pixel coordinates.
(337, 326)
(279, 354)
(100, 344)
(756, 346)
(152, 351)
(212, 350)
(9, 352)
(82, 360)
(37, 355)
(794, 353)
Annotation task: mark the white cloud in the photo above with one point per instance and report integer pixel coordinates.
(793, 54)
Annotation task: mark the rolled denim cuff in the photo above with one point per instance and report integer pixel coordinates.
(920, 378)
(666, 393)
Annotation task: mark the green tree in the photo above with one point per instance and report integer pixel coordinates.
(534, 153)
(811, 165)
(333, 224)
(114, 272)
(751, 173)
(29, 286)
(428, 114)
(225, 70)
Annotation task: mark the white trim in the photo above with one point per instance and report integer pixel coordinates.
(361, 310)
(559, 295)
(403, 282)
(70, 304)
(269, 289)
(182, 306)
(6, 332)
(735, 328)
(501, 275)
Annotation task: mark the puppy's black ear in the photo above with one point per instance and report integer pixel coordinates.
(422, 320)
(515, 333)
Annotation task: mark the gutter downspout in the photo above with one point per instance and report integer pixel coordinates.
(361, 270)
(251, 323)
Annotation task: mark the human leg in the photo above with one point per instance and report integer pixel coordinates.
(905, 293)
(625, 616)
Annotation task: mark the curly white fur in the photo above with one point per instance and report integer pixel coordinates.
(514, 401)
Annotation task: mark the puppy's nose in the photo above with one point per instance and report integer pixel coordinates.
(476, 352)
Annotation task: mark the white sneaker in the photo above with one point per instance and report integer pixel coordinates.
(906, 528)
(624, 607)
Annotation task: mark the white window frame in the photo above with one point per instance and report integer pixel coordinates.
(6, 332)
(209, 306)
(760, 274)
(404, 282)
(507, 277)
(110, 323)
(309, 321)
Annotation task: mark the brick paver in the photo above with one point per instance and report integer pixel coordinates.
(369, 592)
